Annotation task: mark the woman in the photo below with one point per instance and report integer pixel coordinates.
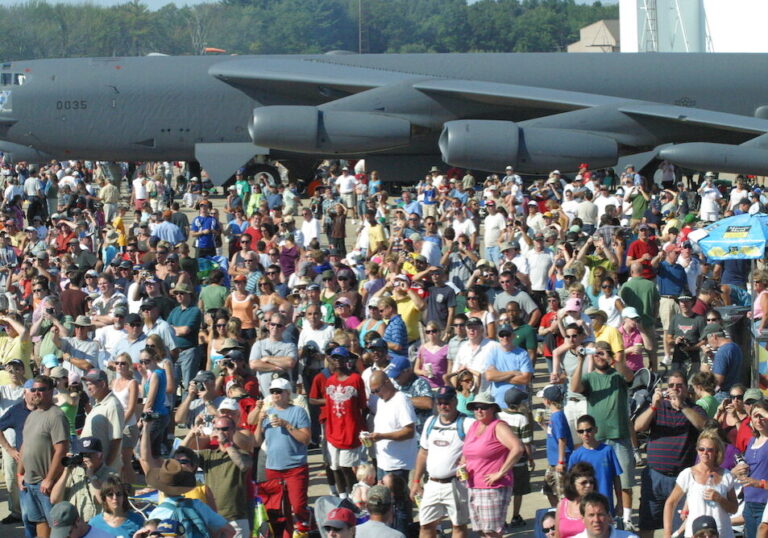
(330, 290)
(579, 481)
(432, 360)
(709, 490)
(342, 309)
(166, 363)
(609, 302)
(466, 389)
(477, 307)
(548, 526)
(217, 335)
(753, 473)
(760, 308)
(243, 305)
(594, 286)
(154, 386)
(731, 412)
(126, 389)
(66, 399)
(117, 519)
(635, 341)
(704, 387)
(373, 323)
(490, 451)
(269, 298)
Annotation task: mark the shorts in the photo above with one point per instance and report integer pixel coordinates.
(554, 482)
(349, 200)
(488, 508)
(522, 480)
(35, 506)
(130, 436)
(667, 308)
(654, 490)
(623, 450)
(343, 457)
(440, 500)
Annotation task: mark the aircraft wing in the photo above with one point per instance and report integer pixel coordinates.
(697, 117)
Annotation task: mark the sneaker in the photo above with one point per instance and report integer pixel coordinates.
(638, 458)
(667, 360)
(629, 526)
(10, 519)
(517, 521)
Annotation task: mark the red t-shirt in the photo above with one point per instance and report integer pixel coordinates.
(546, 320)
(700, 307)
(637, 250)
(317, 392)
(249, 383)
(743, 435)
(344, 406)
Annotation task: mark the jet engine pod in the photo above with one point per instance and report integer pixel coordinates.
(491, 145)
(18, 153)
(721, 157)
(305, 129)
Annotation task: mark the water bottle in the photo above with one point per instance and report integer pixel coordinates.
(711, 485)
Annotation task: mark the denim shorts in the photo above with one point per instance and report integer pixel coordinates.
(35, 506)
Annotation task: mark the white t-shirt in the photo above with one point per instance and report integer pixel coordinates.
(346, 184)
(392, 415)
(570, 207)
(444, 446)
(604, 201)
(467, 227)
(709, 198)
(475, 358)
(108, 337)
(539, 262)
(10, 395)
(431, 252)
(697, 506)
(494, 225)
(139, 189)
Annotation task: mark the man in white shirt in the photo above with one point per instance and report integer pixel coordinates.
(603, 200)
(310, 227)
(473, 353)
(494, 225)
(139, 194)
(462, 225)
(346, 184)
(709, 210)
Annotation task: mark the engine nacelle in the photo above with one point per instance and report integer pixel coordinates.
(17, 153)
(305, 129)
(491, 145)
(719, 157)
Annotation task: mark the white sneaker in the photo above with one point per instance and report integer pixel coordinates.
(667, 360)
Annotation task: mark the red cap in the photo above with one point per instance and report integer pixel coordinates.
(340, 518)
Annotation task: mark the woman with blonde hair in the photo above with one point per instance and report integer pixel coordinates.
(432, 360)
(709, 489)
(126, 389)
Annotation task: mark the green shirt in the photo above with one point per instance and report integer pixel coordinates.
(213, 296)
(708, 404)
(641, 294)
(639, 206)
(227, 483)
(607, 396)
(525, 337)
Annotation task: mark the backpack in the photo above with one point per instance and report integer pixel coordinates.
(459, 426)
(184, 512)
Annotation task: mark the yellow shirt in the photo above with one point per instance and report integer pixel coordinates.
(197, 493)
(375, 238)
(14, 348)
(411, 316)
(119, 225)
(611, 336)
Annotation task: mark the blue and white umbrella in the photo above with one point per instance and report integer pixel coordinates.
(741, 237)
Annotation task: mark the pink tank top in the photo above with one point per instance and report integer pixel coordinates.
(484, 455)
(568, 525)
(757, 311)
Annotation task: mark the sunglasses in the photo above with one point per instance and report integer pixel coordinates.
(184, 461)
(430, 331)
(275, 391)
(222, 429)
(271, 272)
(114, 494)
(481, 407)
(712, 319)
(136, 325)
(38, 389)
(459, 324)
(704, 449)
(145, 361)
(585, 482)
(547, 530)
(505, 335)
(221, 325)
(150, 346)
(271, 324)
(471, 297)
(121, 363)
(38, 290)
(585, 430)
(676, 385)
(736, 396)
(606, 287)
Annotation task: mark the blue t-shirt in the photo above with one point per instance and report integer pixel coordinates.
(133, 522)
(285, 452)
(671, 279)
(429, 196)
(201, 223)
(735, 272)
(274, 201)
(211, 519)
(606, 464)
(506, 361)
(190, 317)
(14, 419)
(727, 363)
(558, 429)
(159, 406)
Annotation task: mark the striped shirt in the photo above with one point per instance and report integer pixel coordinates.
(672, 443)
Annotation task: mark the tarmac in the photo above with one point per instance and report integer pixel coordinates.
(318, 487)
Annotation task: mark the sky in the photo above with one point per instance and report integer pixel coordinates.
(156, 4)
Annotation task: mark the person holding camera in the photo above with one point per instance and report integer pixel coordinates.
(234, 369)
(154, 383)
(84, 473)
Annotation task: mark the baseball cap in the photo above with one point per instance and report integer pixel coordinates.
(569, 272)
(340, 518)
(514, 397)
(280, 383)
(713, 328)
(553, 393)
(377, 343)
(506, 329)
(753, 394)
(630, 312)
(50, 360)
(702, 523)
(133, 318)
(342, 352)
(573, 304)
(396, 366)
(474, 322)
(379, 496)
(58, 372)
(95, 375)
(709, 285)
(15, 362)
(446, 392)
(204, 375)
(87, 445)
(62, 516)
(685, 297)
(229, 404)
(235, 355)
(169, 527)
(672, 248)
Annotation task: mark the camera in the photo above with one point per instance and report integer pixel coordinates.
(200, 386)
(149, 416)
(50, 311)
(227, 364)
(72, 461)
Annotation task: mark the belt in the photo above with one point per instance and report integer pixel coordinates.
(669, 296)
(442, 480)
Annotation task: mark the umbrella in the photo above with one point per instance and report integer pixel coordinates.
(741, 237)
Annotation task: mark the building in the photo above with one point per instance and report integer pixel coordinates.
(600, 36)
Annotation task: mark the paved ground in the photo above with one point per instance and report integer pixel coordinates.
(531, 502)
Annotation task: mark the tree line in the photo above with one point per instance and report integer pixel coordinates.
(38, 29)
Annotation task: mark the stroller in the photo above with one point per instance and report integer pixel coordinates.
(642, 389)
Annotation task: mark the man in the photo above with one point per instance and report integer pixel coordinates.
(205, 228)
(103, 310)
(524, 335)
(643, 250)
(672, 282)
(134, 340)
(511, 292)
(606, 389)
(46, 440)
(674, 424)
(313, 331)
(393, 428)
(686, 336)
(642, 294)
(597, 518)
(458, 259)
(379, 506)
(271, 357)
(726, 359)
(106, 419)
(185, 320)
(508, 366)
(340, 523)
(225, 471)
(345, 404)
(80, 353)
(310, 227)
(396, 332)
(167, 231)
(180, 219)
(416, 388)
(473, 354)
(153, 324)
(67, 523)
(539, 261)
(12, 400)
(606, 333)
(201, 400)
(494, 225)
(441, 444)
(80, 483)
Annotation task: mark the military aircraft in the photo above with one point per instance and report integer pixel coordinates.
(535, 112)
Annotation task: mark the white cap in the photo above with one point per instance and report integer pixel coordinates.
(229, 404)
(280, 383)
(630, 312)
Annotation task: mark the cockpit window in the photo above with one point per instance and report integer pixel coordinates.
(12, 79)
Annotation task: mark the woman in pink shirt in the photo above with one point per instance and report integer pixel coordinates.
(579, 481)
(634, 340)
(490, 452)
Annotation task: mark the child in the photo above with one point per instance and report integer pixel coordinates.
(366, 477)
(518, 417)
(559, 444)
(603, 458)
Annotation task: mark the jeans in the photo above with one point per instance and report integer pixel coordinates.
(187, 366)
(493, 254)
(35, 506)
(753, 513)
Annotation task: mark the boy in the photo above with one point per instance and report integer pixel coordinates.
(517, 416)
(559, 444)
(602, 458)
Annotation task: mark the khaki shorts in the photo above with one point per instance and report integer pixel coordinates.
(130, 436)
(440, 500)
(343, 457)
(667, 309)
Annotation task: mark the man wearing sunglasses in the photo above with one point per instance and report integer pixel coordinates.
(686, 336)
(674, 422)
(508, 366)
(271, 356)
(134, 340)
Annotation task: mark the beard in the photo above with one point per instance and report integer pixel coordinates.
(603, 366)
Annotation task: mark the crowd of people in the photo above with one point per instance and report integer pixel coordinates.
(400, 337)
